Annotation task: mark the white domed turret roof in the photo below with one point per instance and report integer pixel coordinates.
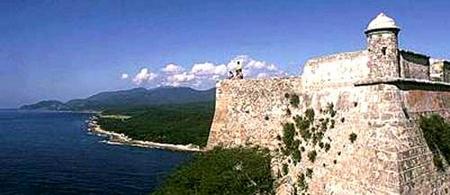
(382, 22)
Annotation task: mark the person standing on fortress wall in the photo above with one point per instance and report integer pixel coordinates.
(239, 74)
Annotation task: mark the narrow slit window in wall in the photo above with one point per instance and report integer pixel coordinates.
(383, 50)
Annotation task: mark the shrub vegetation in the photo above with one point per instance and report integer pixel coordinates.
(437, 135)
(302, 185)
(294, 100)
(222, 171)
(176, 124)
(352, 137)
(288, 136)
(312, 156)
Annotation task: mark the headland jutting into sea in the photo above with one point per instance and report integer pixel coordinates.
(120, 138)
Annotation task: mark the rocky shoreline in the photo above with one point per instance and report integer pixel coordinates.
(120, 138)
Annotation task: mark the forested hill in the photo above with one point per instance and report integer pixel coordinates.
(174, 124)
(132, 98)
(46, 105)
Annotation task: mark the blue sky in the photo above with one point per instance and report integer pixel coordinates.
(72, 49)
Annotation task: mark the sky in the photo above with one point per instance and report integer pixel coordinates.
(62, 50)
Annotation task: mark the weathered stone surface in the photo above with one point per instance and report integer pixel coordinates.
(414, 65)
(374, 94)
(440, 70)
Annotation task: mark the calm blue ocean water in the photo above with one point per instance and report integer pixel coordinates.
(52, 153)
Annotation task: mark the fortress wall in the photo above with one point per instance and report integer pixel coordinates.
(337, 68)
(371, 164)
(418, 172)
(240, 120)
(446, 72)
(250, 112)
(390, 152)
(421, 102)
(437, 71)
(389, 155)
(440, 71)
(414, 65)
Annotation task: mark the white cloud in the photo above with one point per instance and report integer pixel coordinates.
(215, 77)
(220, 70)
(172, 69)
(250, 63)
(144, 75)
(181, 77)
(262, 75)
(272, 67)
(198, 83)
(124, 76)
(204, 75)
(209, 69)
(256, 64)
(203, 69)
(255, 68)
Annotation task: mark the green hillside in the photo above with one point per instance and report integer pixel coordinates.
(175, 124)
(47, 105)
(132, 98)
(222, 171)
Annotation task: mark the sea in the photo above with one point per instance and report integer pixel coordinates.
(53, 153)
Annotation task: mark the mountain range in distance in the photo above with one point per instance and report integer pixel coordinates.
(137, 97)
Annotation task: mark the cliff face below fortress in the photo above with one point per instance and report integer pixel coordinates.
(352, 119)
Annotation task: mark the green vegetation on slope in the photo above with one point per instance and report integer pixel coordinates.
(137, 97)
(437, 134)
(175, 124)
(47, 105)
(223, 171)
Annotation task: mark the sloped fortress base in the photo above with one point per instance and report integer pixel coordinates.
(389, 155)
(374, 96)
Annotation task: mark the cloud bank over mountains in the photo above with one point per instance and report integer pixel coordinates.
(202, 75)
(144, 75)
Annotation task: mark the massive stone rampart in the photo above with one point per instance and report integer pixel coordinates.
(250, 111)
(389, 154)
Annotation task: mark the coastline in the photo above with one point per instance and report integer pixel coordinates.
(56, 111)
(120, 138)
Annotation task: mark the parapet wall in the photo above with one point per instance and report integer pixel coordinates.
(340, 67)
(414, 65)
(440, 71)
(389, 156)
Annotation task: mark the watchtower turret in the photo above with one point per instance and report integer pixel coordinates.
(382, 44)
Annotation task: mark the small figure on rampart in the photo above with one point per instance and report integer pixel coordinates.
(238, 72)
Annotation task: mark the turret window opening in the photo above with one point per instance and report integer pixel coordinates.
(383, 50)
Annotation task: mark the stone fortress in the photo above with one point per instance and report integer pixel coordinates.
(376, 94)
